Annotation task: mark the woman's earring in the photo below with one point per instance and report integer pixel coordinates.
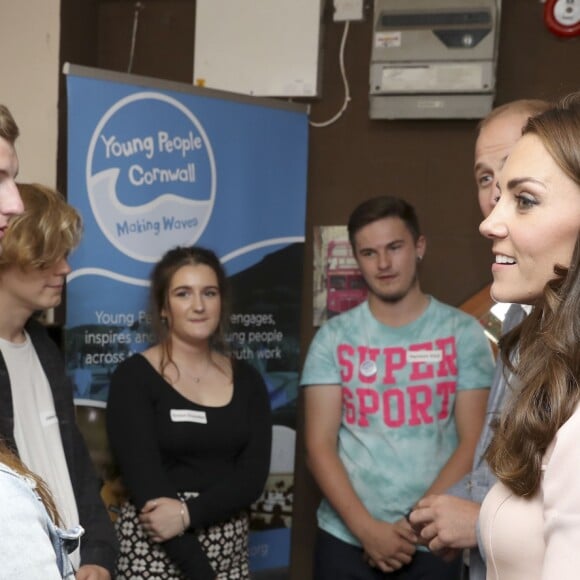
(164, 320)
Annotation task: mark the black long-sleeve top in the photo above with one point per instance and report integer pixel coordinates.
(165, 444)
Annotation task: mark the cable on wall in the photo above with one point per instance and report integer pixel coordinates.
(138, 8)
(344, 81)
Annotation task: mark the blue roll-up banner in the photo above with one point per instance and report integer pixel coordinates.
(155, 164)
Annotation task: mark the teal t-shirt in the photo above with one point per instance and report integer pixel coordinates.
(398, 427)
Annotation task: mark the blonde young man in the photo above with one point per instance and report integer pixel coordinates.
(37, 417)
(449, 522)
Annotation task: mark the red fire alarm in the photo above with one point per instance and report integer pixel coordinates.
(563, 17)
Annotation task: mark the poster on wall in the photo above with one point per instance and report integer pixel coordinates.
(153, 165)
(338, 284)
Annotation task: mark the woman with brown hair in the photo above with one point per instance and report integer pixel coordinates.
(530, 520)
(190, 427)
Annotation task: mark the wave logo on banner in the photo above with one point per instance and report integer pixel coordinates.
(152, 185)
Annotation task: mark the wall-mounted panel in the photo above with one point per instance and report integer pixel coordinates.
(258, 47)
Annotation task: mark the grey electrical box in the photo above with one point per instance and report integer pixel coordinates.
(433, 58)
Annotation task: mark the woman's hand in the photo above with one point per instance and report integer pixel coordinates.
(92, 572)
(164, 518)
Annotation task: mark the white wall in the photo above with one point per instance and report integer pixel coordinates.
(29, 72)
(258, 47)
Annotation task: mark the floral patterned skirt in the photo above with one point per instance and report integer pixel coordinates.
(225, 544)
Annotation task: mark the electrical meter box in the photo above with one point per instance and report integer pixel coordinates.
(433, 58)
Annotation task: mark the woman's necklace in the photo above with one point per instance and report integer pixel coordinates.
(197, 378)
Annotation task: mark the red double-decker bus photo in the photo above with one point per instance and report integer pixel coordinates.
(345, 286)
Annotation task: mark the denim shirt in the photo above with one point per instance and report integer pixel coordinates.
(475, 485)
(31, 546)
(64, 542)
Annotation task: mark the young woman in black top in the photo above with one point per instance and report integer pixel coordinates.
(190, 428)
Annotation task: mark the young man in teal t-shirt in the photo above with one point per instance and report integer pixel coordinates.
(395, 399)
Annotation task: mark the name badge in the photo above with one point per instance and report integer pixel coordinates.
(187, 416)
(425, 356)
(48, 418)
